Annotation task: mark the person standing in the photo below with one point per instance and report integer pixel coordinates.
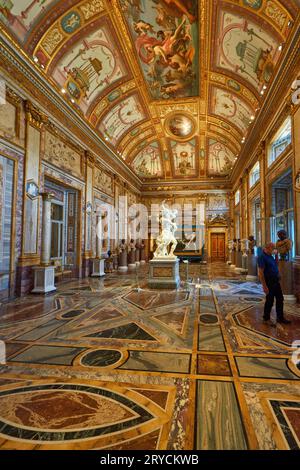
(268, 273)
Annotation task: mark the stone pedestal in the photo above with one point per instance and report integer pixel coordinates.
(286, 273)
(43, 279)
(244, 268)
(252, 268)
(238, 266)
(164, 273)
(233, 259)
(229, 261)
(143, 254)
(123, 266)
(137, 255)
(98, 267)
(131, 259)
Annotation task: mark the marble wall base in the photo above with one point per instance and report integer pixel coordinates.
(86, 267)
(296, 277)
(24, 280)
(164, 273)
(43, 279)
(98, 267)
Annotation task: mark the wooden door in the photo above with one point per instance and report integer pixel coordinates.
(218, 246)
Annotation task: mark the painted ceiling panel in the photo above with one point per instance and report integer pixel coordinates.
(230, 107)
(165, 35)
(147, 164)
(121, 118)
(245, 48)
(90, 66)
(220, 158)
(185, 158)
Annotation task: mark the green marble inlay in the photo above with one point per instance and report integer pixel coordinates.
(264, 367)
(58, 355)
(129, 331)
(219, 424)
(210, 339)
(156, 361)
(101, 358)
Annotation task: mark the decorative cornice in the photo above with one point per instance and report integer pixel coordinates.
(34, 116)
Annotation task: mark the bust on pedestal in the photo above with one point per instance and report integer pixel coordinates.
(164, 268)
(131, 255)
(252, 260)
(244, 250)
(284, 246)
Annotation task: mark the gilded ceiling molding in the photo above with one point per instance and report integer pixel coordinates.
(70, 23)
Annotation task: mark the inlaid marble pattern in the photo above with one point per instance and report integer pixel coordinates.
(189, 369)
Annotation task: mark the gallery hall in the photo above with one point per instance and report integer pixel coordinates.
(149, 226)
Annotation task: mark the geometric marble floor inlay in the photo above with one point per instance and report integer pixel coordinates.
(102, 365)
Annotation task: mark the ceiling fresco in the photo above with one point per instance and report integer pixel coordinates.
(173, 87)
(147, 164)
(165, 35)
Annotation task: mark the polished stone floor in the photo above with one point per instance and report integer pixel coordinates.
(109, 364)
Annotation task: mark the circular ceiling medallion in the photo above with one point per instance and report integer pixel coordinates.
(180, 126)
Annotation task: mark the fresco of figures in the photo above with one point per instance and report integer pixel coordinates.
(184, 157)
(147, 163)
(246, 49)
(165, 35)
(231, 107)
(121, 118)
(220, 159)
(90, 66)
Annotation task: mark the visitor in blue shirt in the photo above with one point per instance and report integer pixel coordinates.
(270, 278)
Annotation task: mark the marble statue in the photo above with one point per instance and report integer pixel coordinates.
(167, 237)
(283, 245)
(234, 244)
(252, 244)
(230, 245)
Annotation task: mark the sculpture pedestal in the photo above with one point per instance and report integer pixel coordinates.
(244, 268)
(43, 279)
(164, 273)
(286, 281)
(252, 268)
(98, 267)
(123, 267)
(233, 260)
(238, 266)
(131, 260)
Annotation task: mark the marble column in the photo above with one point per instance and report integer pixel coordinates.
(98, 262)
(44, 274)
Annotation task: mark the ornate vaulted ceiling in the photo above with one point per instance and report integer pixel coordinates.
(172, 86)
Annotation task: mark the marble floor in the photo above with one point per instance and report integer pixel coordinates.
(109, 364)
